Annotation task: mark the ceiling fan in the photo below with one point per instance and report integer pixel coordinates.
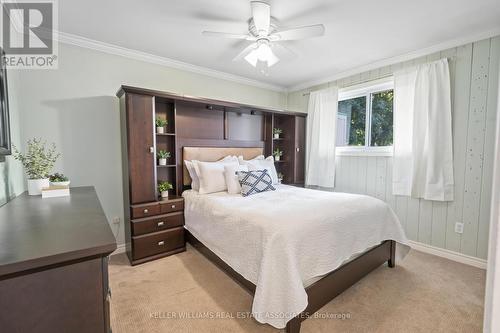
(264, 33)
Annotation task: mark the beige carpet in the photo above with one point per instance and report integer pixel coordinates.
(424, 293)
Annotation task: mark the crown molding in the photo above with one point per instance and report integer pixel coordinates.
(397, 59)
(95, 45)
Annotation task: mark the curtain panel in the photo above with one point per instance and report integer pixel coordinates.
(423, 147)
(320, 137)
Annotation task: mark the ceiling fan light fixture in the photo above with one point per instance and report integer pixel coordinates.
(262, 53)
(252, 58)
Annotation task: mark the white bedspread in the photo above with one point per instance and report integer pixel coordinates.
(278, 240)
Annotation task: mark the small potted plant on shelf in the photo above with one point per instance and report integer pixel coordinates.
(160, 125)
(162, 157)
(277, 154)
(38, 162)
(280, 177)
(58, 179)
(163, 188)
(277, 132)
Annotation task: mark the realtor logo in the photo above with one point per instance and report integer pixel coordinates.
(28, 34)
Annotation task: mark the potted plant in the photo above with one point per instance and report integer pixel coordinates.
(163, 188)
(58, 179)
(277, 132)
(162, 157)
(280, 177)
(160, 125)
(277, 154)
(38, 162)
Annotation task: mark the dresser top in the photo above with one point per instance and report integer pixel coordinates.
(36, 232)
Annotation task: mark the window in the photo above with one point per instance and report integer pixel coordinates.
(365, 119)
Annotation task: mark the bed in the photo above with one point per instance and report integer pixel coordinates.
(295, 249)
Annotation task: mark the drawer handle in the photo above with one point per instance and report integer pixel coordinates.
(161, 243)
(146, 211)
(161, 223)
(173, 206)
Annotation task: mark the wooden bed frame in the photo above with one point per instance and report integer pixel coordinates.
(324, 290)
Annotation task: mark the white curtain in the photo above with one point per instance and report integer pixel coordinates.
(423, 148)
(320, 140)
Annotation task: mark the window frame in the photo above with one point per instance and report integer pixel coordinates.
(366, 89)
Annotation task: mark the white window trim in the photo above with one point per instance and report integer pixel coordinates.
(363, 151)
(365, 89)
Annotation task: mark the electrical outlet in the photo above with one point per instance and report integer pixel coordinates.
(116, 220)
(459, 228)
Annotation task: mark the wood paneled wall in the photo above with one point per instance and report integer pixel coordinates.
(474, 76)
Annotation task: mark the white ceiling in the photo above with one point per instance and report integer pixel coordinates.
(358, 32)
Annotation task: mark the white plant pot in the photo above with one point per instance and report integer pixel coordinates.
(276, 136)
(160, 130)
(66, 183)
(162, 161)
(164, 194)
(35, 185)
(277, 158)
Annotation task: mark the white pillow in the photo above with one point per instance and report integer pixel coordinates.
(267, 164)
(258, 157)
(195, 181)
(232, 182)
(211, 175)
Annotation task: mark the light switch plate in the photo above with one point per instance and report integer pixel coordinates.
(459, 228)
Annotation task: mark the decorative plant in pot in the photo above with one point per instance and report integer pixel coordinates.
(38, 162)
(163, 188)
(58, 179)
(162, 157)
(280, 177)
(277, 132)
(160, 125)
(277, 154)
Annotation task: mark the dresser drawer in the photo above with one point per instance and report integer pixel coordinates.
(144, 211)
(158, 242)
(157, 223)
(174, 206)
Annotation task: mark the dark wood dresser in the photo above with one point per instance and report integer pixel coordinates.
(54, 264)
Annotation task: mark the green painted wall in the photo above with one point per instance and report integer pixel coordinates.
(474, 75)
(76, 107)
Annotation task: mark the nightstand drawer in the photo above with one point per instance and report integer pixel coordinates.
(172, 206)
(144, 211)
(158, 242)
(157, 223)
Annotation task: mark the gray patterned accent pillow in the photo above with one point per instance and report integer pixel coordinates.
(253, 182)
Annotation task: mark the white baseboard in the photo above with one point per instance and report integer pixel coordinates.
(119, 249)
(451, 255)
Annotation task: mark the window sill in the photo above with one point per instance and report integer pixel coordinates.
(352, 151)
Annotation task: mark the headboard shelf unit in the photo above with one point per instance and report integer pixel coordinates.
(165, 109)
(193, 122)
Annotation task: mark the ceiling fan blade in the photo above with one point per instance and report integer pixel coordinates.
(245, 52)
(227, 35)
(261, 13)
(273, 59)
(283, 52)
(299, 33)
